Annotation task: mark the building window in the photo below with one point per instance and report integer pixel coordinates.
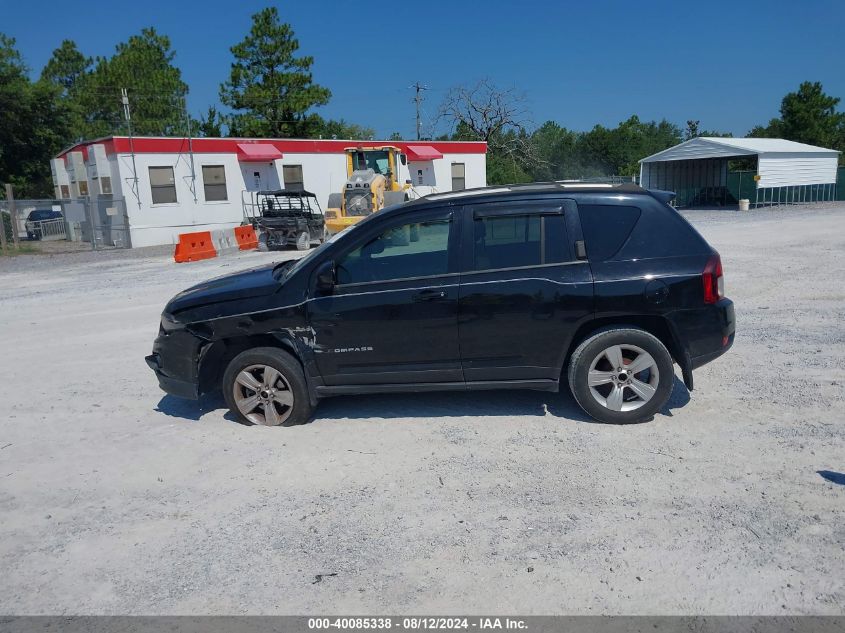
(214, 182)
(162, 185)
(292, 175)
(82, 187)
(65, 192)
(459, 180)
(105, 186)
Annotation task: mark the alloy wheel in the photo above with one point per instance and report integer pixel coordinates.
(623, 377)
(263, 395)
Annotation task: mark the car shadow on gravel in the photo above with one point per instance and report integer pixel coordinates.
(427, 405)
(832, 476)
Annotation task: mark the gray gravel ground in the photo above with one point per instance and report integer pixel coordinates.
(117, 499)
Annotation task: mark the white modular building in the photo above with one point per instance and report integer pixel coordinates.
(786, 171)
(179, 185)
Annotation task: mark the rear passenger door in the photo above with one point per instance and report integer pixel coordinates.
(522, 291)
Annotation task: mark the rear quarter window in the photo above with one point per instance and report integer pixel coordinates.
(606, 227)
(661, 232)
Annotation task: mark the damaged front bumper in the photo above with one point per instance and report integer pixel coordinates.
(168, 384)
(175, 360)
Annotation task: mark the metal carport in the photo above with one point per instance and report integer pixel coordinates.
(787, 172)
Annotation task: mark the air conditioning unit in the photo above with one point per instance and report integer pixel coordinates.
(78, 173)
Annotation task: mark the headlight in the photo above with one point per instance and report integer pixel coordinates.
(168, 323)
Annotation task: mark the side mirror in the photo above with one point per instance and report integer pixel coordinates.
(325, 276)
(373, 248)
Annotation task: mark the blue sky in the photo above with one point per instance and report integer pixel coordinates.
(727, 64)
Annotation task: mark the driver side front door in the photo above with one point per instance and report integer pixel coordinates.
(392, 317)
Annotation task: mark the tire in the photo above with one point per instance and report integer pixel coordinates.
(303, 241)
(248, 394)
(262, 243)
(621, 397)
(325, 236)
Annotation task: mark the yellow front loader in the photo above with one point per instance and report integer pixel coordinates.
(373, 182)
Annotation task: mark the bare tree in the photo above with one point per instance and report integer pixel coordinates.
(489, 113)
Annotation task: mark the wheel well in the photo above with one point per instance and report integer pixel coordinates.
(655, 325)
(216, 357)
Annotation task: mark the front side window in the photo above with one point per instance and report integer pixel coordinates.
(514, 241)
(418, 249)
(292, 175)
(214, 182)
(162, 185)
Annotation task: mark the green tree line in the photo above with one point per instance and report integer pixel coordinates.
(270, 92)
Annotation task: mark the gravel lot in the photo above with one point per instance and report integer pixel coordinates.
(116, 499)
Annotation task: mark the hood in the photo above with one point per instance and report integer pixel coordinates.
(255, 282)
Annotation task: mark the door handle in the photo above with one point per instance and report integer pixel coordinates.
(430, 295)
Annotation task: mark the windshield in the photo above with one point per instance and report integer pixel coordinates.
(40, 215)
(377, 161)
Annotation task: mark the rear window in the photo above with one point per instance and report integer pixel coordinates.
(41, 215)
(606, 227)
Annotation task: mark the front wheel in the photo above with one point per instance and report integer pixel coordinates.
(621, 375)
(266, 386)
(303, 241)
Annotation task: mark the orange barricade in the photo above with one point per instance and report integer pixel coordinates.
(194, 246)
(246, 237)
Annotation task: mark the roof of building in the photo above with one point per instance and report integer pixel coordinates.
(721, 147)
(425, 150)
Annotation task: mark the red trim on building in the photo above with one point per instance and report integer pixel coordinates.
(161, 145)
(422, 152)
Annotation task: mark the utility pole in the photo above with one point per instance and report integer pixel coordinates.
(418, 100)
(124, 98)
(190, 146)
(13, 216)
(3, 245)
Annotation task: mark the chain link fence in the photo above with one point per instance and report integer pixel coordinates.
(102, 222)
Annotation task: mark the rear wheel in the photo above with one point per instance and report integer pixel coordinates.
(621, 375)
(303, 241)
(266, 386)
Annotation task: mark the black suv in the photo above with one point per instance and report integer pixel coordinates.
(516, 287)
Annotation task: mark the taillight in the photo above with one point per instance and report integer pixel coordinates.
(714, 283)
